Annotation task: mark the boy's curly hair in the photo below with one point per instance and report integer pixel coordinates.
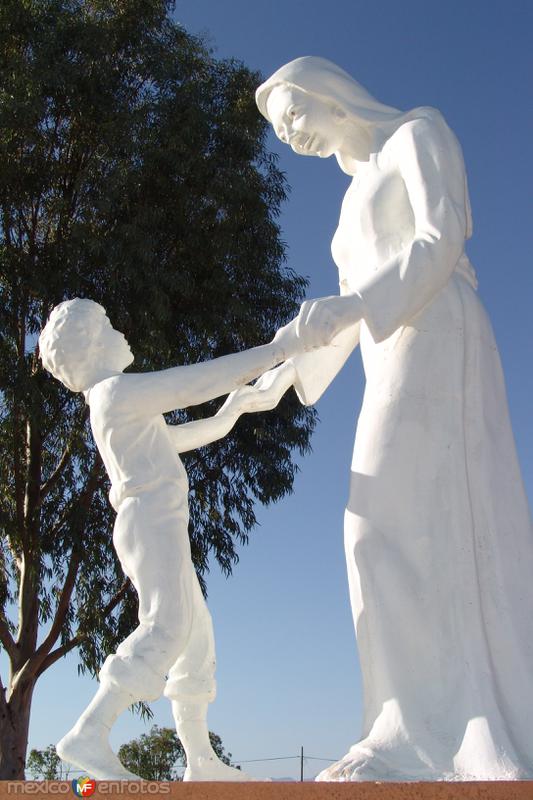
(68, 340)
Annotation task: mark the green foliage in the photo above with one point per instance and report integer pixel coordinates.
(134, 172)
(46, 765)
(159, 755)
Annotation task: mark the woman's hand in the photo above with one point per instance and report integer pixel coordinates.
(319, 321)
(288, 341)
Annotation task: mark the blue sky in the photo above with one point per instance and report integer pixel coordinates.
(288, 673)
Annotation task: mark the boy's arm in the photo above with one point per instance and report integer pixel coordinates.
(155, 393)
(195, 434)
(265, 395)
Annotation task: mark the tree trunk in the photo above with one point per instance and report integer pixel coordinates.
(14, 726)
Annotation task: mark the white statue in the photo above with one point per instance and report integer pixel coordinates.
(438, 533)
(149, 493)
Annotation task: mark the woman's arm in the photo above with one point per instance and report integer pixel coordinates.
(430, 162)
(317, 369)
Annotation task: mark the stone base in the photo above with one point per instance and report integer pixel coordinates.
(492, 790)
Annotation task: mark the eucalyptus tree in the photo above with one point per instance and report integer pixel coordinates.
(159, 754)
(134, 171)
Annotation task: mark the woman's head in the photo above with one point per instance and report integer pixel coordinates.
(311, 101)
(310, 125)
(78, 342)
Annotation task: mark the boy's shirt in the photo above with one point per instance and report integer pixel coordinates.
(136, 448)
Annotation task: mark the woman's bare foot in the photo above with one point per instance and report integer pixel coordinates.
(366, 763)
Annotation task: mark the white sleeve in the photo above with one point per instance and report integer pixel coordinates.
(316, 370)
(430, 161)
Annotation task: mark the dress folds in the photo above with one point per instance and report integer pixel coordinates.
(438, 535)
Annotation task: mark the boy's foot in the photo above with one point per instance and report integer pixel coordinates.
(86, 746)
(213, 769)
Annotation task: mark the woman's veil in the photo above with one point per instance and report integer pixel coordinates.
(326, 80)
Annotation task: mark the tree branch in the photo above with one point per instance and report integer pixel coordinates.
(28, 606)
(74, 503)
(56, 527)
(29, 592)
(30, 563)
(47, 487)
(58, 653)
(84, 501)
(33, 482)
(3, 701)
(117, 597)
(61, 651)
(62, 606)
(7, 640)
(66, 455)
(18, 471)
(5, 522)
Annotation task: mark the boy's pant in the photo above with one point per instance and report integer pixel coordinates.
(175, 632)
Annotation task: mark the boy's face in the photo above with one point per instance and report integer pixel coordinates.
(114, 352)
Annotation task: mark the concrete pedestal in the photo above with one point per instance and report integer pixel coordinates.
(495, 790)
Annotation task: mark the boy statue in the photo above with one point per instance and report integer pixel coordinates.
(172, 650)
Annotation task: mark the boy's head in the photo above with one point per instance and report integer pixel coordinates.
(78, 343)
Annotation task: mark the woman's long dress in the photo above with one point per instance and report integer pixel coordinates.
(438, 534)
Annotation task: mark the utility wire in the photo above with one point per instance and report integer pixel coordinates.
(254, 760)
(280, 758)
(316, 758)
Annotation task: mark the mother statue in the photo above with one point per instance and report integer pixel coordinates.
(438, 534)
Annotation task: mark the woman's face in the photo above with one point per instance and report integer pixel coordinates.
(311, 126)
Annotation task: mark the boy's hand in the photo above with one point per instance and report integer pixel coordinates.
(249, 399)
(237, 402)
(265, 382)
(264, 395)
